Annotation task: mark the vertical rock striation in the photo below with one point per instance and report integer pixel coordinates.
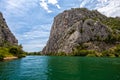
(6, 36)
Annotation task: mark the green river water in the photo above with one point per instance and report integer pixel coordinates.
(60, 68)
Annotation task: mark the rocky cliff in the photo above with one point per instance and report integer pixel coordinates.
(83, 29)
(6, 36)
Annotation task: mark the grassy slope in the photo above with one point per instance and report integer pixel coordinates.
(13, 51)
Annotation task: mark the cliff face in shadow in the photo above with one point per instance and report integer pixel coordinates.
(6, 36)
(82, 29)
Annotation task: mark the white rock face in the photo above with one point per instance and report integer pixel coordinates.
(75, 27)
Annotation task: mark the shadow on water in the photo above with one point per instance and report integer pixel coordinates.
(60, 68)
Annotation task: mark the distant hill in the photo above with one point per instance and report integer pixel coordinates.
(82, 32)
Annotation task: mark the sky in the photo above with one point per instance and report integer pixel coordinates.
(31, 20)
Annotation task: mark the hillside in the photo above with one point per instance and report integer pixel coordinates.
(8, 43)
(82, 32)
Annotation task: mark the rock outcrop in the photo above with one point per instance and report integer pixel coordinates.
(6, 36)
(78, 27)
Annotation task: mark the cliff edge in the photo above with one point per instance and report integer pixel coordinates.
(6, 36)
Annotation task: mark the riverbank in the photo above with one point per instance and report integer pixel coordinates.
(10, 58)
(7, 53)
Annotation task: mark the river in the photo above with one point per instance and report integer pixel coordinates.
(60, 68)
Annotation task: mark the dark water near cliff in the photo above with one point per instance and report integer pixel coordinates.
(60, 68)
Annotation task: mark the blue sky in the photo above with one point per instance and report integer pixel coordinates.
(31, 20)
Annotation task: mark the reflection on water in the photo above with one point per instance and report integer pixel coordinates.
(60, 68)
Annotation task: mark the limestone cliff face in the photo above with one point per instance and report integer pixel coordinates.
(6, 36)
(75, 27)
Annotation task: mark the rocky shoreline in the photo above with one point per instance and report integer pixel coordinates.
(10, 58)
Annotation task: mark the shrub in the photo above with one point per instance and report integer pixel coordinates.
(34, 53)
(112, 52)
(78, 52)
(116, 55)
(113, 23)
(14, 50)
(5, 52)
(110, 39)
(61, 54)
(10, 51)
(107, 53)
(117, 49)
(1, 57)
(17, 51)
(91, 55)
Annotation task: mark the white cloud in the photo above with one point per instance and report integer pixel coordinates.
(45, 4)
(36, 38)
(39, 31)
(102, 1)
(19, 8)
(107, 7)
(54, 2)
(33, 47)
(84, 3)
(111, 9)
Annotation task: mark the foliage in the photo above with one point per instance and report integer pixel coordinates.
(4, 53)
(117, 51)
(61, 54)
(11, 51)
(83, 9)
(14, 51)
(91, 55)
(112, 52)
(110, 39)
(1, 57)
(113, 23)
(17, 51)
(57, 54)
(80, 51)
(34, 53)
